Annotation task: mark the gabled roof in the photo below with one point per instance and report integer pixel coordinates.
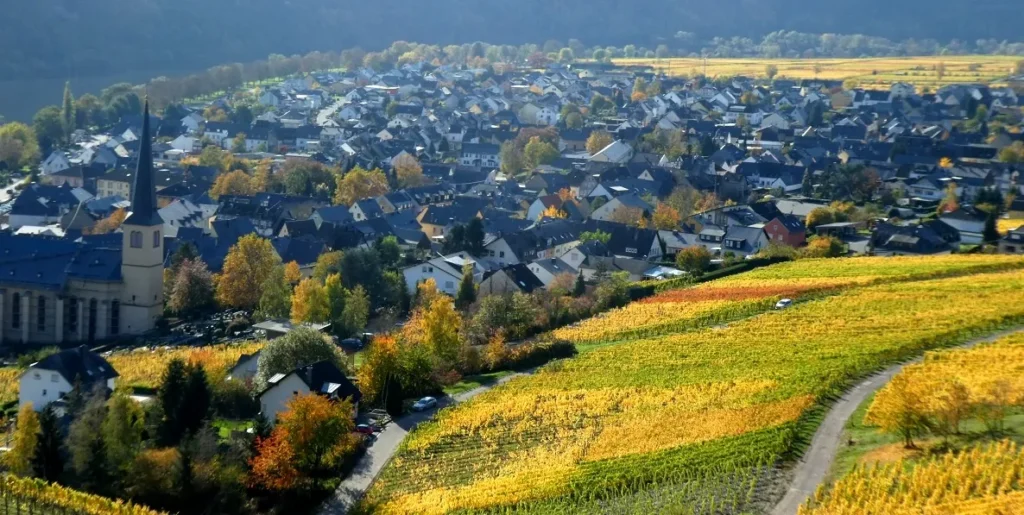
(322, 378)
(78, 364)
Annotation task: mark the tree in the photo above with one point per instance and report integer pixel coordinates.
(169, 396)
(496, 351)
(597, 141)
(512, 161)
(771, 71)
(665, 218)
(552, 211)
(236, 182)
(639, 90)
(574, 120)
(600, 103)
(86, 445)
(198, 399)
(68, 117)
(566, 55)
(819, 216)
(326, 264)
(336, 296)
(1012, 154)
(309, 303)
(276, 299)
(940, 70)
(110, 223)
(88, 111)
(539, 152)
(388, 251)
(357, 310)
(632, 216)
(823, 247)
(953, 405)
(292, 272)
(238, 143)
(899, 409)
(193, 289)
(597, 235)
(247, 265)
(991, 231)
(18, 145)
(359, 184)
(408, 172)
(48, 128)
(301, 347)
(215, 157)
(48, 460)
(122, 432)
(26, 437)
(440, 327)
(467, 288)
(694, 260)
(362, 266)
(951, 201)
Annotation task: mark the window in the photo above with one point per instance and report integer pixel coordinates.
(136, 238)
(424, 269)
(449, 285)
(156, 239)
(501, 254)
(115, 317)
(92, 318)
(72, 316)
(36, 376)
(44, 393)
(16, 310)
(41, 314)
(53, 378)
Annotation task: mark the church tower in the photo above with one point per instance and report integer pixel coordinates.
(142, 253)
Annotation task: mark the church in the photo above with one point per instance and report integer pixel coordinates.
(59, 291)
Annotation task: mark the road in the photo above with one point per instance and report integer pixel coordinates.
(328, 112)
(4, 196)
(388, 440)
(816, 462)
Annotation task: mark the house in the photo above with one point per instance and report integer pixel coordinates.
(969, 222)
(446, 271)
(619, 208)
(480, 155)
(786, 230)
(548, 269)
(53, 377)
(510, 279)
(245, 368)
(57, 161)
(320, 378)
(1013, 242)
(628, 242)
(744, 241)
(917, 239)
(616, 152)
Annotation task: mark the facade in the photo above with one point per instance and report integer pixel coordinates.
(54, 291)
(321, 378)
(56, 375)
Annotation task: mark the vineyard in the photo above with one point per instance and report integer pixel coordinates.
(33, 496)
(985, 480)
(695, 418)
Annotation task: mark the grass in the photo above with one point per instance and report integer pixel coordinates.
(471, 382)
(867, 72)
(224, 427)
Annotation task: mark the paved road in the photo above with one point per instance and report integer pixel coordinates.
(816, 462)
(388, 440)
(4, 196)
(327, 112)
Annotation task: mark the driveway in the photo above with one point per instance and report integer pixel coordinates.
(817, 461)
(381, 451)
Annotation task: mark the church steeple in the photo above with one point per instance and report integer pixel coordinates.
(144, 211)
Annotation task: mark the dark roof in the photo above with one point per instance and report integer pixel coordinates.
(324, 378)
(144, 211)
(304, 250)
(78, 364)
(48, 263)
(523, 277)
(625, 240)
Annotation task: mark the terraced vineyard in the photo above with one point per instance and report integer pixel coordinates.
(695, 418)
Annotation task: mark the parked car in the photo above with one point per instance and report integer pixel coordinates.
(364, 429)
(783, 304)
(424, 404)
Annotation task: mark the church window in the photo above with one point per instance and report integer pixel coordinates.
(136, 240)
(41, 314)
(115, 317)
(156, 239)
(72, 316)
(16, 310)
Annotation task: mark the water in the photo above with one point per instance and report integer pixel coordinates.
(20, 99)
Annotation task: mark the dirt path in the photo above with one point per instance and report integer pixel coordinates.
(816, 462)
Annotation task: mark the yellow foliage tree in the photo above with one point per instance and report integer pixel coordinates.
(358, 184)
(232, 183)
(496, 351)
(408, 171)
(110, 223)
(665, 218)
(292, 273)
(597, 141)
(552, 212)
(26, 435)
(441, 325)
(326, 264)
(899, 409)
(247, 265)
(633, 216)
(310, 303)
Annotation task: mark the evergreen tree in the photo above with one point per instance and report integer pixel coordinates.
(195, 406)
(991, 233)
(474, 237)
(807, 185)
(580, 287)
(85, 444)
(170, 396)
(67, 113)
(48, 462)
(466, 295)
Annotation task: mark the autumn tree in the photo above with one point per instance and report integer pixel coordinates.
(665, 217)
(496, 351)
(300, 347)
(707, 202)
(639, 90)
(122, 432)
(823, 247)
(408, 171)
(632, 216)
(552, 211)
(246, 267)
(292, 272)
(326, 264)
(694, 260)
(512, 161)
(683, 200)
(899, 409)
(309, 303)
(276, 297)
(359, 184)
(539, 152)
(232, 183)
(86, 445)
(441, 324)
(26, 435)
(951, 201)
(18, 145)
(819, 216)
(336, 297)
(597, 141)
(193, 290)
(110, 223)
(771, 71)
(357, 310)
(952, 405)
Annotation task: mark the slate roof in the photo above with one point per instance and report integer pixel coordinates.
(48, 263)
(304, 249)
(323, 378)
(79, 363)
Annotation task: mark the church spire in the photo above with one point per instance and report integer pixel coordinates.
(144, 189)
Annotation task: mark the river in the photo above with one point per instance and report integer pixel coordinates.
(19, 100)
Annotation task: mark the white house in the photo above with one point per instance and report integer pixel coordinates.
(54, 377)
(616, 152)
(548, 116)
(55, 162)
(446, 271)
(321, 378)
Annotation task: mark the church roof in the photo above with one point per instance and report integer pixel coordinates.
(144, 211)
(48, 263)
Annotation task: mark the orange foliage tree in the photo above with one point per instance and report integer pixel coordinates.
(110, 223)
(233, 183)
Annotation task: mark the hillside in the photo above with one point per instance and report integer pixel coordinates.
(57, 38)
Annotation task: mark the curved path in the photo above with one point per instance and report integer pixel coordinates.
(816, 462)
(384, 447)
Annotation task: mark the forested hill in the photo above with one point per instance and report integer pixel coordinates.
(58, 38)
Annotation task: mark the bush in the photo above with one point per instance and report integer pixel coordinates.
(232, 399)
(530, 355)
(237, 325)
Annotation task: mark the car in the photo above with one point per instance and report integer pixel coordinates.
(364, 429)
(424, 404)
(783, 304)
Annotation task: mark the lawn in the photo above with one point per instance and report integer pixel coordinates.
(224, 427)
(475, 381)
(867, 72)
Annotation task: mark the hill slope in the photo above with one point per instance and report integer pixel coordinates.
(52, 38)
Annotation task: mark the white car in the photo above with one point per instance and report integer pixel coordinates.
(783, 304)
(424, 404)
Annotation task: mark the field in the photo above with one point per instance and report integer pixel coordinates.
(33, 496)
(984, 480)
(696, 418)
(1006, 225)
(867, 72)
